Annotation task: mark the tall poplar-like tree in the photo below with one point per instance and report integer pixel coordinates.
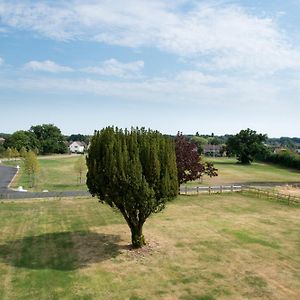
(31, 166)
(8, 153)
(80, 167)
(133, 171)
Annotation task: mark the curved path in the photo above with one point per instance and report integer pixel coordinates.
(6, 176)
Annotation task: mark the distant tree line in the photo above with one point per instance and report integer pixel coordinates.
(287, 159)
(201, 140)
(248, 145)
(41, 139)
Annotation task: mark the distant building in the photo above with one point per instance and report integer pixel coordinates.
(77, 147)
(213, 150)
(279, 150)
(2, 140)
(298, 151)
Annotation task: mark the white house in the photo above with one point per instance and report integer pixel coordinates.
(76, 147)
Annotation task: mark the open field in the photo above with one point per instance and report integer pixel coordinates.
(231, 172)
(56, 174)
(207, 247)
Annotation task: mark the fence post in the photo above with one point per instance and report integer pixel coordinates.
(197, 190)
(209, 189)
(231, 188)
(221, 189)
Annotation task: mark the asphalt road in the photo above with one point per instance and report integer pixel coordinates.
(6, 176)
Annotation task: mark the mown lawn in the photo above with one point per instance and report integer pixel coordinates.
(231, 172)
(228, 246)
(56, 174)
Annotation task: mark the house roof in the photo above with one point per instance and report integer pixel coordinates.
(212, 147)
(80, 144)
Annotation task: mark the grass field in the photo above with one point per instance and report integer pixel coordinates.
(56, 174)
(200, 247)
(231, 172)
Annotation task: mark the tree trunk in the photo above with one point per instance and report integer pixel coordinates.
(137, 237)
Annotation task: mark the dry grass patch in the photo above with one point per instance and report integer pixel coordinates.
(205, 247)
(289, 190)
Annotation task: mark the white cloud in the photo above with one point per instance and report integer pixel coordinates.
(46, 66)
(199, 89)
(1, 61)
(113, 67)
(214, 36)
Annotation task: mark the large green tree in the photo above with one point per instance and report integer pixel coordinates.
(22, 138)
(50, 138)
(133, 171)
(247, 145)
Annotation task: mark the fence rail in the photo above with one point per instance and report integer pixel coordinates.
(196, 190)
(290, 199)
(191, 190)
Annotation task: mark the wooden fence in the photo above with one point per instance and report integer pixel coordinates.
(192, 190)
(288, 198)
(196, 190)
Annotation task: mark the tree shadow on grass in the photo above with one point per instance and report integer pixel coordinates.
(63, 251)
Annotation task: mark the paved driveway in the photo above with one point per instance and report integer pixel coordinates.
(8, 173)
(6, 176)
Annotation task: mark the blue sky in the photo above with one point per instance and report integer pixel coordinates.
(206, 66)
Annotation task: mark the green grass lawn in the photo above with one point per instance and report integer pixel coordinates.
(231, 172)
(200, 247)
(56, 174)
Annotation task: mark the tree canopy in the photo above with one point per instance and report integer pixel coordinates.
(189, 166)
(21, 139)
(133, 171)
(246, 145)
(50, 138)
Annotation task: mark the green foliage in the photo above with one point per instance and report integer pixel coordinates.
(246, 145)
(8, 153)
(50, 138)
(133, 171)
(287, 159)
(79, 137)
(31, 166)
(80, 167)
(21, 139)
(14, 153)
(200, 142)
(23, 152)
